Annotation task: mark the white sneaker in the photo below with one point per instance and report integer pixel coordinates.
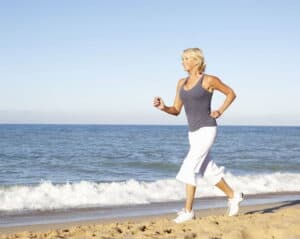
(182, 211)
(234, 203)
(184, 216)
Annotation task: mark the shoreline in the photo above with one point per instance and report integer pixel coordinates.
(168, 213)
(27, 218)
(259, 217)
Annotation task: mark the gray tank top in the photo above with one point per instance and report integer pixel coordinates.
(197, 107)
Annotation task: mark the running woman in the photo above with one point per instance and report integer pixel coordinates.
(195, 93)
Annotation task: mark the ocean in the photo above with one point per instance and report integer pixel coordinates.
(51, 167)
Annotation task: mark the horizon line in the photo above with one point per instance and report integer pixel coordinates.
(115, 124)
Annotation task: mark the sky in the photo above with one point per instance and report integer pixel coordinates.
(103, 62)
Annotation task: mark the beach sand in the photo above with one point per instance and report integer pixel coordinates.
(275, 220)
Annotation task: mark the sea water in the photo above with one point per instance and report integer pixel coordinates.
(47, 167)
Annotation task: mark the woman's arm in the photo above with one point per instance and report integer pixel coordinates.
(217, 84)
(177, 105)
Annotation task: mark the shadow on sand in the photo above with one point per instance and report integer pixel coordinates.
(273, 209)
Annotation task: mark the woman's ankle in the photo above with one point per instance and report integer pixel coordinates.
(188, 209)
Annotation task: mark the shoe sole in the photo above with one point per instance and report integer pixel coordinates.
(193, 218)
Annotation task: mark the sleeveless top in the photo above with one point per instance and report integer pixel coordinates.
(197, 107)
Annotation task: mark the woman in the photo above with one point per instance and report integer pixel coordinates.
(195, 93)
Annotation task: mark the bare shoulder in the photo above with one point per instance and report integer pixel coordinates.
(210, 82)
(211, 78)
(181, 81)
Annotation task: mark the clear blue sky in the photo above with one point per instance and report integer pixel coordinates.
(104, 61)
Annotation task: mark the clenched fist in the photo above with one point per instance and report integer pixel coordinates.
(158, 103)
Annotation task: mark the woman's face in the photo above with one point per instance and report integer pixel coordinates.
(188, 62)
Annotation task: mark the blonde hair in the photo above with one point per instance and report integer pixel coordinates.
(197, 54)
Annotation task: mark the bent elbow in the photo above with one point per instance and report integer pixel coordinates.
(176, 111)
(233, 95)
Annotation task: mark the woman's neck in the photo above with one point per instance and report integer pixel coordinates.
(194, 76)
(194, 73)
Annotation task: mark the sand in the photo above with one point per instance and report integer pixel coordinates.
(276, 220)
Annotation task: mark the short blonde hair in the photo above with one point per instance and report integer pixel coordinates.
(197, 54)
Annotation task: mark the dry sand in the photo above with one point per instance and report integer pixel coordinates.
(276, 220)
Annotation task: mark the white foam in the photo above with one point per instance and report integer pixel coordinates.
(47, 195)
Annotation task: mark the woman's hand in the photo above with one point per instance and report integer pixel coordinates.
(215, 114)
(158, 103)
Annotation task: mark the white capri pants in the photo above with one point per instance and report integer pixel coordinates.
(198, 164)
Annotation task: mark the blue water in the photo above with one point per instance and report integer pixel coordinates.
(61, 166)
(104, 153)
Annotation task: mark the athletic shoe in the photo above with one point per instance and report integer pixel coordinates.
(234, 203)
(182, 211)
(184, 216)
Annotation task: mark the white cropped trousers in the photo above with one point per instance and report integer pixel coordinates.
(198, 165)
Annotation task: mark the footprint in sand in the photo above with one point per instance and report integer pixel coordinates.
(142, 228)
